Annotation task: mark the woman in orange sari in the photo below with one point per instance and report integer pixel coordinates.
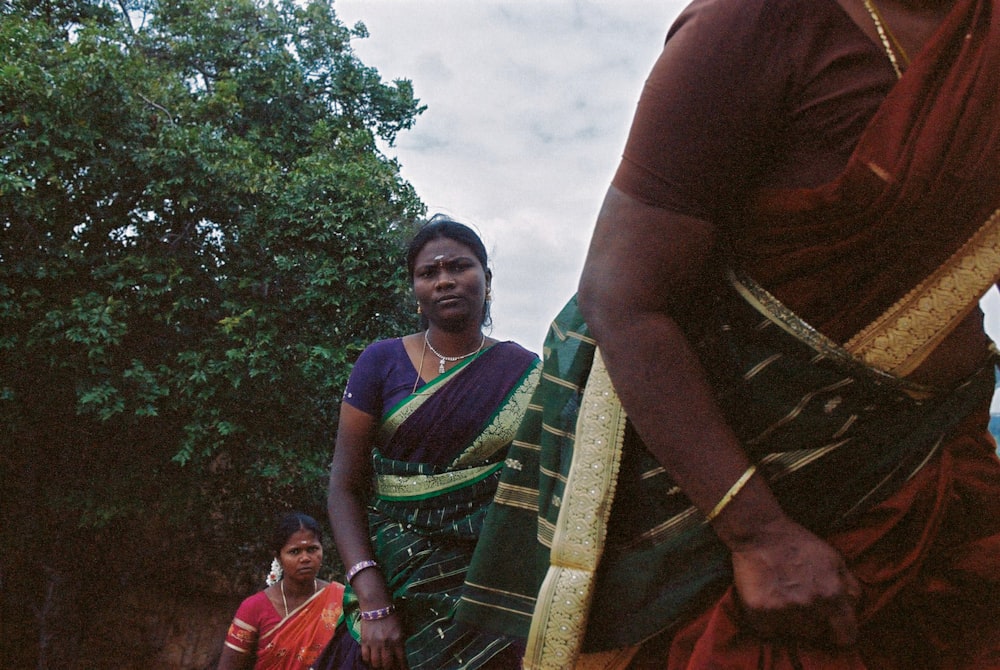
(285, 626)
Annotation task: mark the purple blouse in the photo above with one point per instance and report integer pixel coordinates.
(382, 376)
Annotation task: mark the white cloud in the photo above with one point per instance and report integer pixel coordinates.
(528, 106)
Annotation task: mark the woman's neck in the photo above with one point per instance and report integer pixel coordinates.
(457, 343)
(298, 588)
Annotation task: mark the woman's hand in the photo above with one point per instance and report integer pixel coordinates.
(382, 643)
(793, 584)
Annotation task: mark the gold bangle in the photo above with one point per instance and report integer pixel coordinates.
(731, 493)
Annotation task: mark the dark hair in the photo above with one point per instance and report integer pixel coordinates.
(290, 524)
(442, 225)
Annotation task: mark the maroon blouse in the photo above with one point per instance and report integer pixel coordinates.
(748, 94)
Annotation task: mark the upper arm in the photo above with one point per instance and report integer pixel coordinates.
(230, 659)
(241, 637)
(641, 258)
(351, 465)
(693, 147)
(709, 105)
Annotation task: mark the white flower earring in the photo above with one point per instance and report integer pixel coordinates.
(275, 574)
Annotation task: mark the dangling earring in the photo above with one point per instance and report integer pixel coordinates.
(275, 574)
(419, 309)
(489, 294)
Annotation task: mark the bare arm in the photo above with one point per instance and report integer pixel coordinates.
(382, 641)
(234, 660)
(789, 581)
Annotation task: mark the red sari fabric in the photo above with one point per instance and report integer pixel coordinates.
(921, 180)
(295, 642)
(928, 560)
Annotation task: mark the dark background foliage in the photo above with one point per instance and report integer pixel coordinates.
(198, 234)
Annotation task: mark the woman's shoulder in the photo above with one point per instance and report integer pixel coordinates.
(383, 347)
(516, 351)
(255, 608)
(382, 352)
(751, 17)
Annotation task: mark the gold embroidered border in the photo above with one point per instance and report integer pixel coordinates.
(761, 300)
(416, 487)
(904, 335)
(560, 617)
(502, 428)
(775, 311)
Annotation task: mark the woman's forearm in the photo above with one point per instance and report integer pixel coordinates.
(349, 520)
(641, 262)
(665, 392)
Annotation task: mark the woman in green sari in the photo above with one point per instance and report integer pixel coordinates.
(424, 430)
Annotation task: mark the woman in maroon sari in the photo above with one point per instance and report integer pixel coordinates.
(782, 289)
(424, 429)
(847, 163)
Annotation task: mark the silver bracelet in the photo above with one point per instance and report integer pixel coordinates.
(358, 567)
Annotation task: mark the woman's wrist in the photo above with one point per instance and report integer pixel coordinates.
(370, 588)
(729, 495)
(358, 567)
(751, 517)
(378, 613)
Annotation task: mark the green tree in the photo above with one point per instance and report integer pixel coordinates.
(198, 234)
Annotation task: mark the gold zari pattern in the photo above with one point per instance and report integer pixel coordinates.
(557, 632)
(902, 337)
(405, 487)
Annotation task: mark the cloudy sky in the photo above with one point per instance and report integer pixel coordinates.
(528, 106)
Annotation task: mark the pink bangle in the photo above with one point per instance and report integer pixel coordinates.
(375, 615)
(358, 567)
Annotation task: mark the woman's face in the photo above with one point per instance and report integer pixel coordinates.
(450, 284)
(301, 556)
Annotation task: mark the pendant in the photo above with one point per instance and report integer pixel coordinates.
(441, 367)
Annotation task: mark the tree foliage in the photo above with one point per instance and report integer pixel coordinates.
(198, 234)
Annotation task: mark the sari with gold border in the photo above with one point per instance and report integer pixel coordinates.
(614, 553)
(425, 516)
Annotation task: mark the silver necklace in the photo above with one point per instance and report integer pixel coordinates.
(285, 602)
(450, 359)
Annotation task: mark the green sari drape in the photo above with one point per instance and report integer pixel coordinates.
(425, 519)
(590, 540)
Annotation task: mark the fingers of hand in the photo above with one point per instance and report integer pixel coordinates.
(382, 658)
(382, 645)
(808, 602)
